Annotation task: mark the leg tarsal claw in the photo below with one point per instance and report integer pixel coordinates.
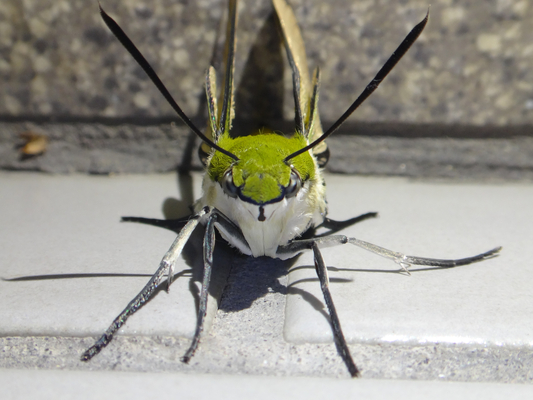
(404, 265)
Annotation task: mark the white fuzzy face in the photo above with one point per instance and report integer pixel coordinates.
(266, 227)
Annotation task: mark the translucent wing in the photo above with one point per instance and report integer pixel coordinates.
(305, 92)
(227, 113)
(221, 118)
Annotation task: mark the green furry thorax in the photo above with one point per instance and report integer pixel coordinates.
(260, 170)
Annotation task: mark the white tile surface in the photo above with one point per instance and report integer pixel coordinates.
(58, 227)
(60, 385)
(490, 302)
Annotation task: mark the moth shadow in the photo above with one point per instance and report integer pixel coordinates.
(237, 280)
(260, 93)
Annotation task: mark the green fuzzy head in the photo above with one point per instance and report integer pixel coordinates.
(260, 171)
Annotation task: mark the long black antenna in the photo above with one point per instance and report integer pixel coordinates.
(136, 54)
(373, 85)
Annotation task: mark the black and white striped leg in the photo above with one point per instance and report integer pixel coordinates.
(340, 341)
(403, 260)
(335, 226)
(172, 224)
(165, 267)
(209, 248)
(297, 246)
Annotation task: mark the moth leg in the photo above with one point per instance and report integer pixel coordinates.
(209, 248)
(335, 226)
(298, 246)
(228, 229)
(405, 261)
(340, 341)
(166, 266)
(172, 224)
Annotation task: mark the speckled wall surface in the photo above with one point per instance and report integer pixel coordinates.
(472, 66)
(473, 63)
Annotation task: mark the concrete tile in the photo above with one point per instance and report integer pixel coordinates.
(59, 385)
(489, 302)
(68, 266)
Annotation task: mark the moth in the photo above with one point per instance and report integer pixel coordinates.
(263, 191)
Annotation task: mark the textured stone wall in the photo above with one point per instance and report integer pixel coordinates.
(472, 65)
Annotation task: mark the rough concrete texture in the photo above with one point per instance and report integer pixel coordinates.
(257, 347)
(457, 152)
(472, 65)
(250, 341)
(222, 355)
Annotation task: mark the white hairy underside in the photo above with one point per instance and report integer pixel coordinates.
(284, 220)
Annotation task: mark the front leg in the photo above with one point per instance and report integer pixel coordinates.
(334, 226)
(340, 341)
(209, 248)
(165, 267)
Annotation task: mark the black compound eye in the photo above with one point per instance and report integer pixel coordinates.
(295, 184)
(227, 184)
